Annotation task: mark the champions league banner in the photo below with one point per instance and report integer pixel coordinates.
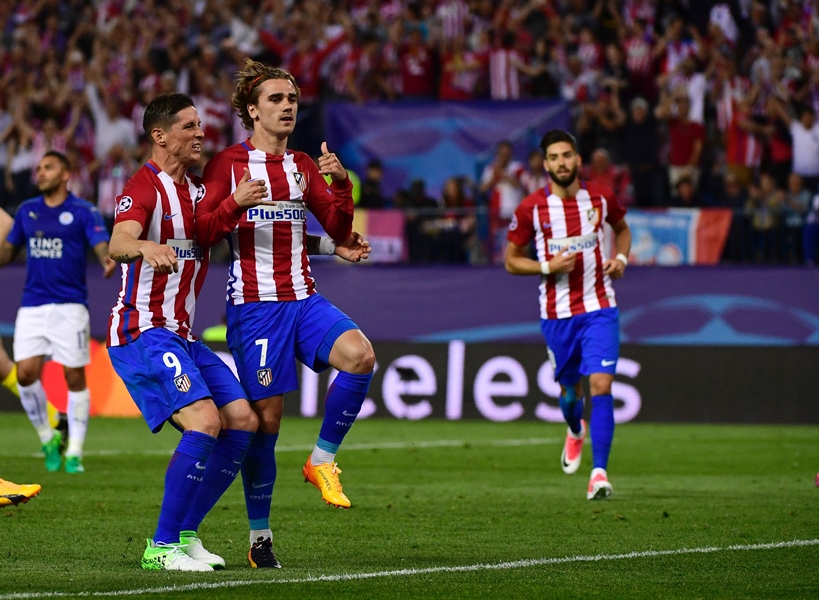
(434, 141)
(465, 343)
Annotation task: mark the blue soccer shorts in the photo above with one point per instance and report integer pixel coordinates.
(583, 344)
(164, 372)
(266, 338)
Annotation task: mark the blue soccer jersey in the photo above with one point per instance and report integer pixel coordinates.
(55, 240)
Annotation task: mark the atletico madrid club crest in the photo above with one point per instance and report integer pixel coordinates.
(301, 180)
(182, 383)
(593, 215)
(265, 377)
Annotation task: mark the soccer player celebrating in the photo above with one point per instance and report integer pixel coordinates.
(53, 318)
(579, 317)
(274, 313)
(171, 376)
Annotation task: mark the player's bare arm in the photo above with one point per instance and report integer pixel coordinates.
(616, 267)
(518, 261)
(7, 251)
(6, 223)
(107, 263)
(126, 247)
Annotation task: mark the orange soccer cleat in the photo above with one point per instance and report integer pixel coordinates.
(12, 494)
(325, 478)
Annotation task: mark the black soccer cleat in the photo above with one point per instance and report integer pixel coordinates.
(261, 555)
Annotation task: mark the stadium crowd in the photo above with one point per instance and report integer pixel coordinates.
(674, 102)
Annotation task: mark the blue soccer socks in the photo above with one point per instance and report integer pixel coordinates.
(183, 481)
(601, 428)
(258, 478)
(572, 408)
(341, 407)
(223, 466)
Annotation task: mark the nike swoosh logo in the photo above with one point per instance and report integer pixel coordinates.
(168, 217)
(607, 363)
(237, 462)
(256, 486)
(199, 466)
(346, 414)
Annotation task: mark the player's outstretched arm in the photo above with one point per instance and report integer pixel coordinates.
(126, 247)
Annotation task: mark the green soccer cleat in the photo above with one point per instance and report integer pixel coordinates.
(170, 557)
(73, 464)
(51, 449)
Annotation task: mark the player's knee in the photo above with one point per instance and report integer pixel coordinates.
(201, 416)
(600, 384)
(270, 422)
(211, 425)
(75, 379)
(26, 377)
(362, 361)
(269, 413)
(240, 417)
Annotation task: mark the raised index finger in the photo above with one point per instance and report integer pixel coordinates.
(324, 150)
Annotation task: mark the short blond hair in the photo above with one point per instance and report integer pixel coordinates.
(248, 84)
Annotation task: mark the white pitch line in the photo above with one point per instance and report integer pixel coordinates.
(517, 564)
(306, 448)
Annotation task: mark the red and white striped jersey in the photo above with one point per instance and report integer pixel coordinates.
(504, 79)
(742, 147)
(149, 299)
(453, 16)
(638, 55)
(269, 256)
(729, 92)
(575, 223)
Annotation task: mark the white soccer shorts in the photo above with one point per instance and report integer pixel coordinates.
(61, 331)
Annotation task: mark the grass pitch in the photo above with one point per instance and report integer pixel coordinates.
(440, 510)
